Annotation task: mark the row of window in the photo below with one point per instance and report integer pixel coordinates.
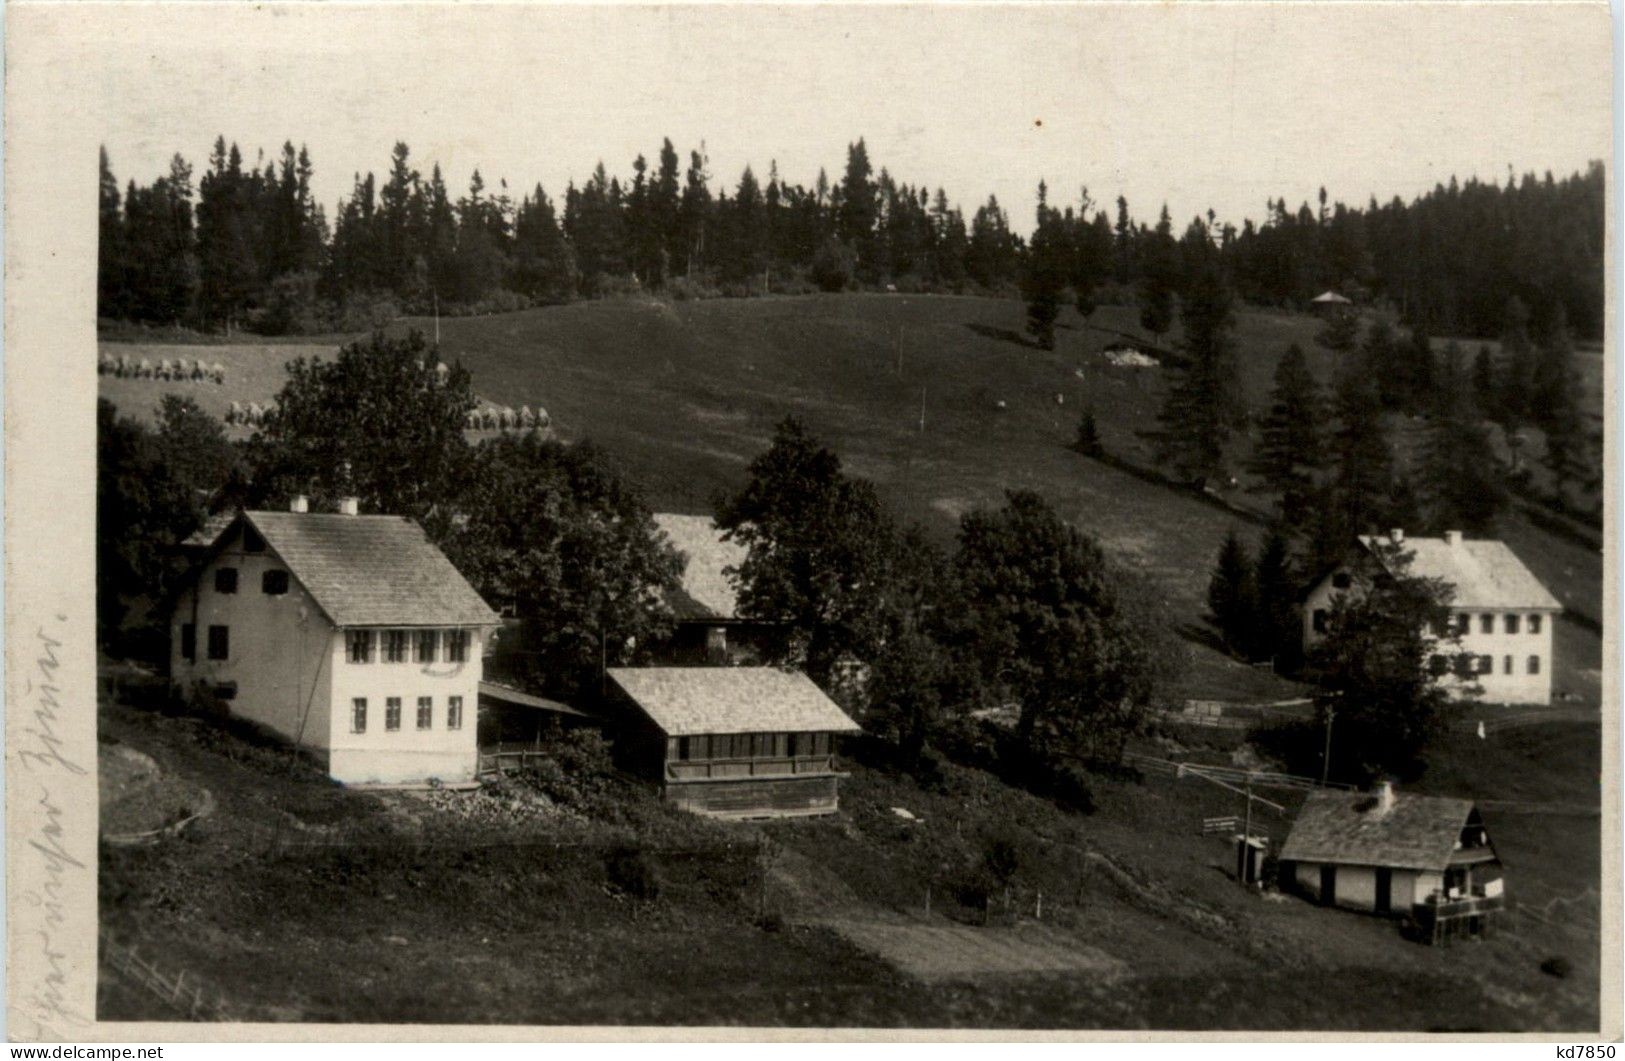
(1510, 623)
(273, 583)
(752, 745)
(1467, 665)
(219, 642)
(406, 646)
(392, 713)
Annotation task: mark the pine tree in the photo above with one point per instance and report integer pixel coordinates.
(1203, 404)
(1158, 279)
(1461, 483)
(1289, 448)
(1043, 278)
(1088, 441)
(1276, 610)
(1557, 404)
(112, 293)
(1232, 596)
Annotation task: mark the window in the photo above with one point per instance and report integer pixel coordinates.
(189, 642)
(1534, 664)
(225, 690)
(395, 646)
(252, 542)
(426, 710)
(1512, 624)
(427, 640)
(274, 582)
(1318, 620)
(1534, 624)
(1486, 624)
(1438, 664)
(225, 580)
(456, 646)
(392, 712)
(1486, 664)
(1464, 665)
(454, 712)
(1341, 580)
(358, 715)
(1464, 623)
(359, 643)
(219, 642)
(1506, 665)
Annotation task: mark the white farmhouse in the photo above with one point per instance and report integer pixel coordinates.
(1502, 614)
(349, 635)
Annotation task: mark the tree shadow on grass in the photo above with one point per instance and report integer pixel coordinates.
(1008, 335)
(1200, 633)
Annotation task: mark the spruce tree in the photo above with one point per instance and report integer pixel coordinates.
(1232, 596)
(1158, 278)
(1088, 442)
(1276, 602)
(1289, 447)
(1203, 404)
(1556, 404)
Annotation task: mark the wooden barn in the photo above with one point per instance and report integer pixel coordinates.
(1395, 854)
(709, 628)
(731, 742)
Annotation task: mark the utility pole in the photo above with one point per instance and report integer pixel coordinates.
(922, 410)
(436, 295)
(1326, 756)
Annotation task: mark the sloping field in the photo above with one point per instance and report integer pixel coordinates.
(685, 394)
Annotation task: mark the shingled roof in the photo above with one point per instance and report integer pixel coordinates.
(1349, 828)
(686, 701)
(1485, 574)
(705, 592)
(371, 570)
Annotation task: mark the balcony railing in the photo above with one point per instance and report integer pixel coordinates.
(721, 769)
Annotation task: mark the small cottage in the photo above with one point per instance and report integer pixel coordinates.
(1394, 854)
(351, 636)
(731, 742)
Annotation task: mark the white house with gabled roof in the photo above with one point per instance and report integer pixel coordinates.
(349, 635)
(1502, 613)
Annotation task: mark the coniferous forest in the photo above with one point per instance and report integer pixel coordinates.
(244, 245)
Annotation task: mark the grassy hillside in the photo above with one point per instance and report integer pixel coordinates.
(685, 394)
(502, 905)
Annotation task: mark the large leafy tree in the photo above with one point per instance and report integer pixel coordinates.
(555, 536)
(818, 552)
(1375, 668)
(379, 422)
(1050, 627)
(153, 488)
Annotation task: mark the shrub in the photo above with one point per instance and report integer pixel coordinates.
(1002, 858)
(833, 266)
(630, 870)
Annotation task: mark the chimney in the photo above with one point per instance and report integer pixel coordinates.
(1397, 535)
(349, 506)
(1452, 538)
(300, 503)
(1385, 797)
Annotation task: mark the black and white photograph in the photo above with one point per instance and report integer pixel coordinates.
(943, 518)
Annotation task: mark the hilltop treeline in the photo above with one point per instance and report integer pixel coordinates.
(245, 245)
